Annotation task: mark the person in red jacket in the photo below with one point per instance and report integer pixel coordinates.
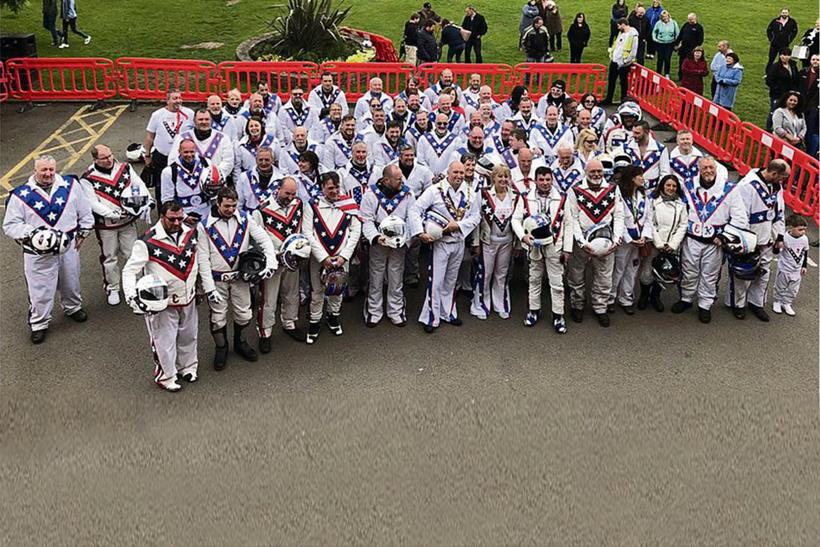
(693, 70)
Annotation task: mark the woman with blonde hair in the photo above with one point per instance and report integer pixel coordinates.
(586, 146)
(491, 291)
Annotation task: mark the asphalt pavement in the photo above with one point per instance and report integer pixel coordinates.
(656, 431)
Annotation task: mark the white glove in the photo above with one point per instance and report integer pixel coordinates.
(115, 215)
(229, 277)
(214, 297)
(135, 305)
(267, 273)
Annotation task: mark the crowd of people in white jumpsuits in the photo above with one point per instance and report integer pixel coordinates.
(263, 206)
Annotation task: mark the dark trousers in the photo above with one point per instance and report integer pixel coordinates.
(50, 24)
(613, 31)
(664, 64)
(650, 45)
(73, 24)
(713, 87)
(641, 55)
(575, 52)
(774, 53)
(615, 74)
(473, 44)
(158, 163)
(454, 53)
(555, 42)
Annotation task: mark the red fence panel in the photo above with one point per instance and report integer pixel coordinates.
(755, 148)
(385, 50)
(580, 79)
(657, 95)
(353, 78)
(69, 79)
(498, 76)
(152, 79)
(4, 87)
(714, 128)
(280, 77)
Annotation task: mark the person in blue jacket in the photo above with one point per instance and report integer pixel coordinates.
(653, 15)
(728, 78)
(452, 38)
(69, 16)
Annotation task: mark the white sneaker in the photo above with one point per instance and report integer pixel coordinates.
(169, 385)
(114, 298)
(776, 307)
(189, 377)
(63, 45)
(789, 310)
(87, 40)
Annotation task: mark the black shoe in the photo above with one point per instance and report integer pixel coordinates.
(429, 329)
(680, 306)
(704, 315)
(38, 336)
(334, 325)
(240, 346)
(603, 319)
(739, 313)
(643, 299)
(296, 333)
(629, 310)
(220, 357)
(759, 312)
(264, 344)
(371, 324)
(313, 332)
(401, 324)
(80, 316)
(576, 315)
(466, 293)
(189, 377)
(456, 322)
(610, 308)
(655, 297)
(411, 284)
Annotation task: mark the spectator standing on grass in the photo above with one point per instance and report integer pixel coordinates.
(653, 14)
(637, 20)
(781, 77)
(811, 39)
(622, 54)
(552, 21)
(619, 11)
(427, 49)
(694, 70)
(528, 14)
(426, 13)
(452, 37)
(536, 42)
(476, 24)
(718, 61)
(665, 34)
(578, 37)
(69, 15)
(780, 32)
(788, 122)
(728, 78)
(411, 32)
(690, 37)
(50, 20)
(808, 88)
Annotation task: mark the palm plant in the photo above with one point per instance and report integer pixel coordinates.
(310, 31)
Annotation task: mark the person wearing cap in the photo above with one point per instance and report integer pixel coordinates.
(426, 13)
(556, 97)
(622, 54)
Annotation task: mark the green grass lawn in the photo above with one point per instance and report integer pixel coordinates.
(152, 28)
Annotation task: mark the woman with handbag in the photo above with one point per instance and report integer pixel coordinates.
(664, 228)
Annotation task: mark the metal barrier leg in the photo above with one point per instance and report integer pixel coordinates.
(132, 106)
(97, 105)
(25, 107)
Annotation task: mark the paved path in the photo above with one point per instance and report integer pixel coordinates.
(659, 430)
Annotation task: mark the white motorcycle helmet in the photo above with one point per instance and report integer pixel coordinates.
(152, 293)
(135, 203)
(538, 226)
(737, 240)
(134, 152)
(630, 108)
(434, 224)
(599, 239)
(608, 165)
(295, 251)
(45, 241)
(394, 231)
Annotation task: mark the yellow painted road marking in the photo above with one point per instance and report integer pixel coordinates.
(84, 120)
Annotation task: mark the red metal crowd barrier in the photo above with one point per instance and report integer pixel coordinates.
(498, 76)
(353, 78)
(755, 148)
(714, 128)
(69, 79)
(580, 79)
(385, 50)
(280, 77)
(4, 88)
(657, 95)
(152, 79)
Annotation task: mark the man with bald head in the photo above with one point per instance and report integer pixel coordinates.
(597, 213)
(548, 136)
(444, 80)
(375, 91)
(436, 147)
(118, 197)
(388, 197)
(219, 120)
(473, 91)
(448, 212)
(46, 207)
(281, 216)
